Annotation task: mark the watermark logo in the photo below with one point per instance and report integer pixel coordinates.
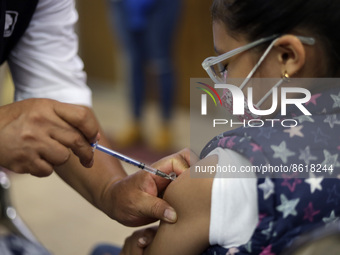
(244, 109)
(204, 97)
(10, 21)
(238, 104)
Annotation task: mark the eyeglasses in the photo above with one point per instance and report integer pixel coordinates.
(217, 72)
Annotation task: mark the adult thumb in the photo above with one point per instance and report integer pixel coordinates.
(158, 208)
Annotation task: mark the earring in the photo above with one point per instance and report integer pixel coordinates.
(285, 76)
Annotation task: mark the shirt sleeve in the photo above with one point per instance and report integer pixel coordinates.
(45, 62)
(234, 206)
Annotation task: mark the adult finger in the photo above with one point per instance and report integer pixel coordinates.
(154, 207)
(40, 168)
(189, 156)
(177, 162)
(79, 117)
(146, 237)
(73, 139)
(55, 153)
(130, 247)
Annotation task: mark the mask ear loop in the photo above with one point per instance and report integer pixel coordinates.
(268, 93)
(244, 83)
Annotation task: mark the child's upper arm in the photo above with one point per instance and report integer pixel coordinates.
(191, 198)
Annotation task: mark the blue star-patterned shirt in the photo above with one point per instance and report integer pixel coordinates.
(306, 196)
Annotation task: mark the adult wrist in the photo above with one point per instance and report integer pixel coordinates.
(106, 201)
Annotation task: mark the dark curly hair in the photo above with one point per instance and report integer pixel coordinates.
(261, 18)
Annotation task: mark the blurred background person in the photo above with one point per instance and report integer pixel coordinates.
(146, 29)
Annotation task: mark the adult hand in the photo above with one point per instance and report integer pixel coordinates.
(134, 201)
(36, 134)
(135, 244)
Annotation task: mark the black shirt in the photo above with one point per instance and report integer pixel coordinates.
(14, 20)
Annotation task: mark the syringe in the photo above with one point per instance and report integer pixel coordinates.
(171, 176)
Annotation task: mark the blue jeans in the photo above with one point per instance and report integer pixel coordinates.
(106, 249)
(150, 44)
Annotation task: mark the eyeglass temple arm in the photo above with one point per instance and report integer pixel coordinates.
(306, 40)
(214, 60)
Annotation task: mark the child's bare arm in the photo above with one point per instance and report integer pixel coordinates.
(191, 198)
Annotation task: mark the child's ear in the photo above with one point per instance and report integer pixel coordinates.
(291, 54)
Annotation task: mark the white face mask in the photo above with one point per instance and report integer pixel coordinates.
(227, 97)
(212, 64)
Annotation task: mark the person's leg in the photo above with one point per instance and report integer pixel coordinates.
(138, 58)
(163, 20)
(132, 43)
(132, 133)
(161, 34)
(106, 249)
(118, 21)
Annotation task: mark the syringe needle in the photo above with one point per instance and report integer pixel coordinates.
(171, 176)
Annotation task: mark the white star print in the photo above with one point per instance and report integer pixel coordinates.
(336, 99)
(332, 120)
(287, 207)
(306, 156)
(232, 251)
(220, 136)
(324, 110)
(314, 182)
(330, 160)
(267, 187)
(267, 231)
(282, 152)
(247, 246)
(331, 219)
(245, 137)
(294, 131)
(320, 137)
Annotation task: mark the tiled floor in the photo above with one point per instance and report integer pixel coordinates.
(62, 220)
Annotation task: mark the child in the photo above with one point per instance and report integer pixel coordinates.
(280, 38)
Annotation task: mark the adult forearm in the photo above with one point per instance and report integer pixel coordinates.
(92, 183)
